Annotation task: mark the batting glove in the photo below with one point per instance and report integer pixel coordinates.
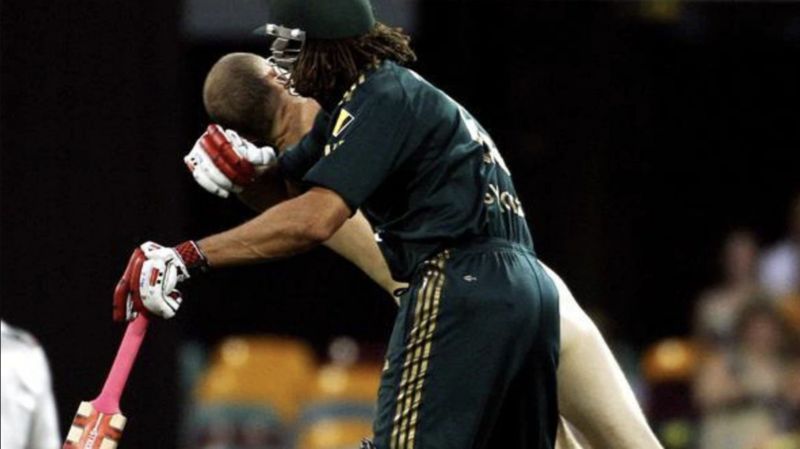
(223, 162)
(150, 280)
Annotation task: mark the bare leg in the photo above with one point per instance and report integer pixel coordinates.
(565, 439)
(593, 394)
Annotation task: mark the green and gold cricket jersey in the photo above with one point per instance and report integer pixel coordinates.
(422, 169)
(471, 362)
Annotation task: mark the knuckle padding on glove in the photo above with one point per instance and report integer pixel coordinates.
(207, 183)
(221, 152)
(211, 148)
(216, 175)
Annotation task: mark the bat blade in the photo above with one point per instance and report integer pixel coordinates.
(92, 429)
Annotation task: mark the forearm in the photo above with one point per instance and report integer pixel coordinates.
(355, 241)
(289, 228)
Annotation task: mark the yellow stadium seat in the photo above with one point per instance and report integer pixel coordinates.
(228, 425)
(347, 383)
(270, 371)
(341, 407)
(670, 360)
(334, 434)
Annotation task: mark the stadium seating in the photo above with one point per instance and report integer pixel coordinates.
(340, 408)
(259, 370)
(268, 393)
(668, 366)
(342, 434)
(670, 360)
(250, 393)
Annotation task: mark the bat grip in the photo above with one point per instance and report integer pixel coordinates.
(108, 400)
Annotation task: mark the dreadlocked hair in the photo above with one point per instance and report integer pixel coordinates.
(326, 68)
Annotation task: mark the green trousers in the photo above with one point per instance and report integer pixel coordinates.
(473, 354)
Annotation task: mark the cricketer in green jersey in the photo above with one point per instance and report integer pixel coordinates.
(480, 319)
(594, 396)
(473, 356)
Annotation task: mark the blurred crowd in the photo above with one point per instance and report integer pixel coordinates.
(740, 367)
(747, 384)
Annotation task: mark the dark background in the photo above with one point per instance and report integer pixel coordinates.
(636, 141)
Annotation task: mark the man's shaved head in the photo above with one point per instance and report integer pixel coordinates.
(239, 93)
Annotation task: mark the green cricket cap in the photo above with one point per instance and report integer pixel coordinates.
(322, 19)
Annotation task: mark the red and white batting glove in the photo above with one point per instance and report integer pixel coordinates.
(223, 162)
(150, 280)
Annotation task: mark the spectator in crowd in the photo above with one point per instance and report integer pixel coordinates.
(740, 390)
(780, 265)
(718, 309)
(28, 409)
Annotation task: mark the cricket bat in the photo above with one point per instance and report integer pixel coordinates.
(99, 423)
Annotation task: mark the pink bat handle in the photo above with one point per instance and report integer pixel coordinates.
(108, 401)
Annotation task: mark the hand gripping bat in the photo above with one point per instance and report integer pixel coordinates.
(99, 423)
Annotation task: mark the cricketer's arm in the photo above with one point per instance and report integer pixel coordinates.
(354, 240)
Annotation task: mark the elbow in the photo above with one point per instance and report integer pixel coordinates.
(322, 213)
(317, 232)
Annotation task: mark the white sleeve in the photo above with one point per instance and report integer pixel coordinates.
(776, 271)
(44, 433)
